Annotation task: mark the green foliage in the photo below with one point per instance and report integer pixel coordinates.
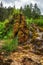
(6, 28)
(2, 27)
(27, 11)
(3, 14)
(36, 12)
(10, 45)
(16, 11)
(31, 11)
(39, 22)
(29, 21)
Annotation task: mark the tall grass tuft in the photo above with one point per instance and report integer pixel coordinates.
(10, 45)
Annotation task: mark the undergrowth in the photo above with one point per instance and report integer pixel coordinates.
(10, 45)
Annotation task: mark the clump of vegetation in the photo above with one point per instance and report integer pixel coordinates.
(10, 45)
(39, 21)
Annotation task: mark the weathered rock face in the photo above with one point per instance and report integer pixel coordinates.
(20, 29)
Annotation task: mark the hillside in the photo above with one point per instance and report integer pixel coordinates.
(24, 46)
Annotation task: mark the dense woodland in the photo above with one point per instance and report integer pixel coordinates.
(29, 11)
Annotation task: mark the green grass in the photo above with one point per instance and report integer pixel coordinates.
(39, 22)
(10, 45)
(29, 21)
